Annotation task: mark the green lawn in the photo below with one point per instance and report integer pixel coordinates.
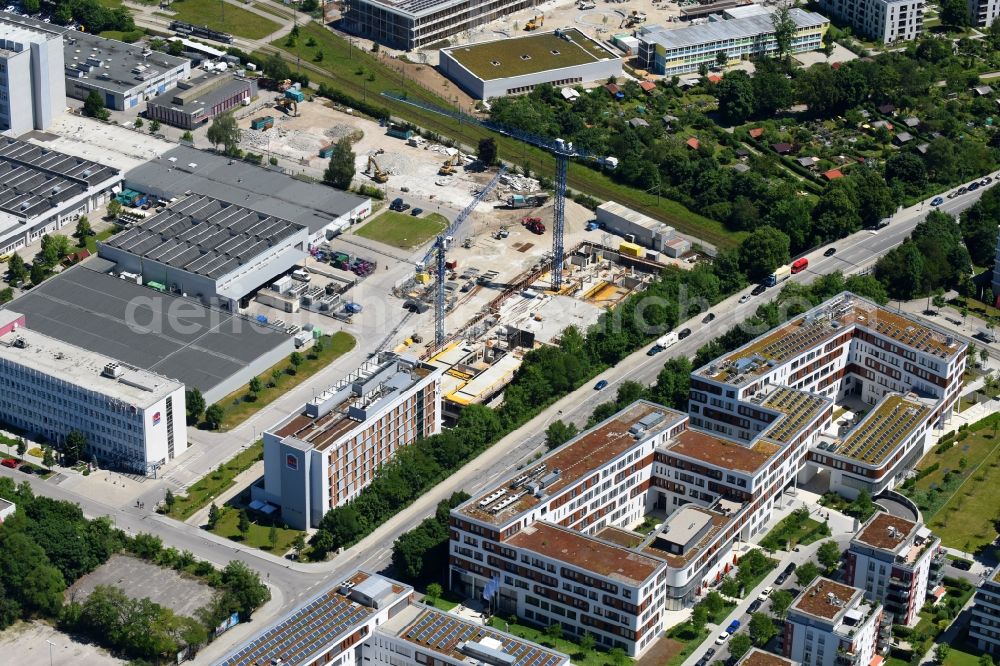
(682, 633)
(792, 531)
(127, 37)
(224, 17)
(105, 234)
(240, 405)
(259, 535)
(440, 604)
(272, 9)
(579, 656)
(210, 486)
(402, 230)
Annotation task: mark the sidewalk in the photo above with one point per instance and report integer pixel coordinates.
(240, 483)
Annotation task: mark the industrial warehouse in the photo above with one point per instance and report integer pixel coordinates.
(512, 66)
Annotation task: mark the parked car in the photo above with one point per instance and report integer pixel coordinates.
(654, 350)
(733, 627)
(9, 462)
(601, 385)
(754, 606)
(707, 318)
(744, 298)
(986, 181)
(962, 190)
(782, 577)
(397, 204)
(973, 187)
(952, 195)
(710, 652)
(758, 290)
(722, 638)
(765, 593)
(27, 469)
(683, 333)
(416, 211)
(937, 201)
(830, 251)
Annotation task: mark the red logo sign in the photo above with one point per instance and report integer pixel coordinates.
(156, 418)
(291, 461)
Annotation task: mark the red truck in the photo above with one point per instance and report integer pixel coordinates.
(800, 265)
(534, 225)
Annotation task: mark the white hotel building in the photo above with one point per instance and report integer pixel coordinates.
(557, 532)
(132, 419)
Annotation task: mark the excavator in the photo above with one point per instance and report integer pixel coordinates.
(375, 172)
(448, 168)
(535, 23)
(288, 105)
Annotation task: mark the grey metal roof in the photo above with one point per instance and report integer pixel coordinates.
(198, 346)
(205, 236)
(267, 191)
(34, 180)
(178, 100)
(716, 31)
(113, 65)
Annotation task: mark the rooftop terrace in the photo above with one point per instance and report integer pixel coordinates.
(588, 553)
(885, 531)
(707, 448)
(571, 462)
(843, 313)
(693, 528)
(825, 598)
(799, 408)
(882, 430)
(757, 657)
(527, 55)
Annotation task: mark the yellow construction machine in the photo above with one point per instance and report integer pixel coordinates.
(375, 172)
(535, 23)
(448, 168)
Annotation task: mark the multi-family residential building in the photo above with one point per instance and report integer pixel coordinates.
(984, 626)
(554, 541)
(886, 21)
(32, 87)
(324, 455)
(410, 24)
(902, 377)
(670, 51)
(830, 624)
(131, 418)
(896, 562)
(982, 13)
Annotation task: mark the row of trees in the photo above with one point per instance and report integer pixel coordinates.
(420, 554)
(49, 544)
(933, 257)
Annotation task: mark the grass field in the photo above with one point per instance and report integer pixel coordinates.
(272, 9)
(792, 531)
(90, 242)
(259, 535)
(579, 656)
(224, 17)
(402, 230)
(127, 37)
(213, 484)
(238, 405)
(349, 69)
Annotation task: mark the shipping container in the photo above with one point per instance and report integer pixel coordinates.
(262, 123)
(631, 249)
(297, 95)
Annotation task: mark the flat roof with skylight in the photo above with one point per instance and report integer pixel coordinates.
(505, 58)
(883, 429)
(108, 64)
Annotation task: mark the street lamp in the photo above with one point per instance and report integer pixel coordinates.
(51, 645)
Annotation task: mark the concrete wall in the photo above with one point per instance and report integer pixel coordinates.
(48, 81)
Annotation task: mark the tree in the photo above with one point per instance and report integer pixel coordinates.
(22, 447)
(735, 93)
(276, 68)
(699, 618)
(828, 555)
(54, 248)
(780, 601)
(985, 660)
(138, 123)
(618, 656)
(558, 433)
(554, 631)
(908, 169)
(739, 645)
(862, 506)
(942, 651)
(588, 642)
(244, 587)
(954, 13)
(214, 416)
(714, 603)
(83, 229)
(761, 628)
(434, 592)
(74, 447)
(154, 126)
(721, 59)
(48, 458)
(806, 573)
(17, 270)
(272, 537)
(114, 209)
(784, 31)
(93, 106)
(194, 405)
(772, 91)
(763, 251)
(39, 273)
(488, 151)
(299, 544)
(6, 295)
(295, 358)
(175, 48)
(255, 386)
(169, 500)
(244, 524)
(340, 171)
(31, 6)
(224, 131)
(213, 516)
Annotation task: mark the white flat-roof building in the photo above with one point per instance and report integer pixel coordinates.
(984, 626)
(513, 66)
(131, 418)
(325, 455)
(830, 624)
(32, 88)
(42, 190)
(644, 230)
(896, 562)
(886, 21)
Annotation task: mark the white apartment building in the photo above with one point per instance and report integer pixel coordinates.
(325, 455)
(906, 374)
(891, 559)
(886, 21)
(982, 13)
(132, 419)
(984, 626)
(830, 624)
(32, 87)
(758, 657)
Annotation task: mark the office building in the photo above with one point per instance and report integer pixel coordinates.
(670, 51)
(884, 21)
(195, 102)
(123, 74)
(830, 624)
(982, 13)
(32, 88)
(896, 562)
(324, 455)
(513, 66)
(901, 376)
(208, 249)
(984, 625)
(323, 210)
(132, 419)
(212, 350)
(42, 191)
(410, 24)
